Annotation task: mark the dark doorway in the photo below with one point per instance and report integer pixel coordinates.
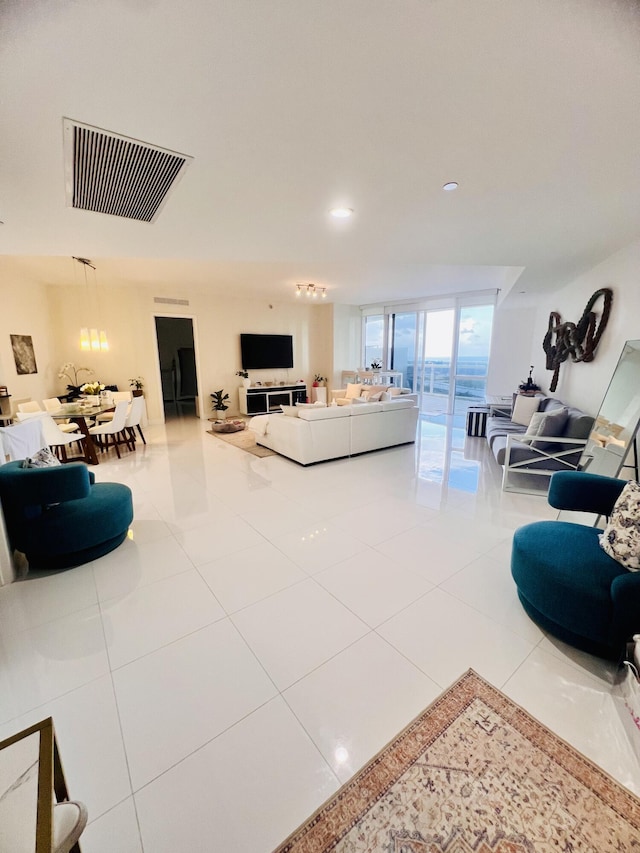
(177, 356)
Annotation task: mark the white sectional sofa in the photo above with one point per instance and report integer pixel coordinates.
(315, 434)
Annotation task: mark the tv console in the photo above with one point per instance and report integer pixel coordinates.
(262, 399)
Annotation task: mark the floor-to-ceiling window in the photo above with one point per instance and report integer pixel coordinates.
(442, 351)
(403, 330)
(373, 338)
(472, 357)
(435, 360)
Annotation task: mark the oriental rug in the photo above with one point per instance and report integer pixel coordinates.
(474, 773)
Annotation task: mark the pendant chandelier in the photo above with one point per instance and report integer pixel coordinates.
(92, 339)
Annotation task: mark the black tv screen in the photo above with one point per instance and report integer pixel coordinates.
(262, 352)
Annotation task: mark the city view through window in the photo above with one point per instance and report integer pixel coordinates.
(442, 354)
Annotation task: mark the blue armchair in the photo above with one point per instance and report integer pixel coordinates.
(60, 517)
(566, 582)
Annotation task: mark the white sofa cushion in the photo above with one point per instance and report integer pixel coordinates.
(366, 408)
(321, 413)
(523, 409)
(397, 403)
(353, 390)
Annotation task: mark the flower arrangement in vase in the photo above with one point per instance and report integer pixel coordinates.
(71, 373)
(92, 389)
(318, 380)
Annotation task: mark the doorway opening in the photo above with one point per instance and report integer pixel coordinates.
(177, 357)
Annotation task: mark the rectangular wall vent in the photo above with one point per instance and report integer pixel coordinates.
(166, 300)
(109, 173)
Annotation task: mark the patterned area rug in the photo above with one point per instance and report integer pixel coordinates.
(245, 440)
(474, 773)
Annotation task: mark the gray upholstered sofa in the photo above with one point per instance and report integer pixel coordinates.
(523, 453)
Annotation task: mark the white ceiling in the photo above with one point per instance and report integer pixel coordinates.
(291, 107)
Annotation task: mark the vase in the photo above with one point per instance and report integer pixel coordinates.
(246, 383)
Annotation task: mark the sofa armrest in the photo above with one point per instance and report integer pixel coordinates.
(22, 487)
(625, 596)
(584, 492)
(558, 454)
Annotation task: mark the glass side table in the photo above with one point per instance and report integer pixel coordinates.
(501, 406)
(35, 813)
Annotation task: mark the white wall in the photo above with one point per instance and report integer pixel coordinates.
(584, 385)
(511, 347)
(24, 310)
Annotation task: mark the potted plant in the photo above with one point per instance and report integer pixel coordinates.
(219, 403)
(376, 365)
(528, 388)
(71, 373)
(136, 385)
(246, 382)
(318, 380)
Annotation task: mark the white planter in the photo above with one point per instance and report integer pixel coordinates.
(246, 383)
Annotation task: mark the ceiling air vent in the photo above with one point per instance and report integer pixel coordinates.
(168, 300)
(109, 173)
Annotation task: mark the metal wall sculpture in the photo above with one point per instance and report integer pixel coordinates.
(577, 341)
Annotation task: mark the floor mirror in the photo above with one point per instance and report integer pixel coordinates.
(611, 448)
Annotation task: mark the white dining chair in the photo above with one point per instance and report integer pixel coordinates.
(31, 406)
(116, 396)
(54, 437)
(113, 429)
(134, 419)
(53, 404)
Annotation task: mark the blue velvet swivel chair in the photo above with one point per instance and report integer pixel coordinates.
(60, 517)
(566, 582)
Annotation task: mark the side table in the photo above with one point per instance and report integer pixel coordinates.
(318, 394)
(5, 410)
(477, 421)
(35, 813)
(500, 406)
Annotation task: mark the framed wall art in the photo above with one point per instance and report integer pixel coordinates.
(23, 354)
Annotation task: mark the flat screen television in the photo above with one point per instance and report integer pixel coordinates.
(263, 352)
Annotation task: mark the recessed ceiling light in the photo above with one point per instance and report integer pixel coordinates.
(341, 212)
(449, 187)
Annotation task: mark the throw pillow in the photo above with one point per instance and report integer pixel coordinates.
(371, 396)
(546, 424)
(621, 536)
(523, 409)
(534, 425)
(290, 411)
(552, 425)
(353, 390)
(42, 459)
(317, 405)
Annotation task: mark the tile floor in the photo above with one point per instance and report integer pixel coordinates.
(267, 628)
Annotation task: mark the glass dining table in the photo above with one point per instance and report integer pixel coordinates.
(79, 414)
